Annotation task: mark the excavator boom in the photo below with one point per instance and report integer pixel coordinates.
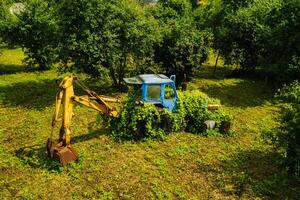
(62, 149)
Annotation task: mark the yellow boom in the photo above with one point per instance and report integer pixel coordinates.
(65, 98)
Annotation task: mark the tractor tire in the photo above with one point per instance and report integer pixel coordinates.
(166, 123)
(141, 130)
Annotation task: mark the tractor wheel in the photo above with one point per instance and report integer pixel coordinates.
(225, 127)
(166, 123)
(141, 130)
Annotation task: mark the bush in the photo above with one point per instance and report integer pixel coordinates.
(182, 49)
(287, 135)
(195, 104)
(138, 122)
(147, 122)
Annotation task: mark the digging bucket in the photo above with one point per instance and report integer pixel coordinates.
(65, 154)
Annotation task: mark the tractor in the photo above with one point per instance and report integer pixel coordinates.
(156, 89)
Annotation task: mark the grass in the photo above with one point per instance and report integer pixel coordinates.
(11, 61)
(184, 166)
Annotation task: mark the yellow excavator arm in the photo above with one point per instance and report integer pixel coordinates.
(64, 101)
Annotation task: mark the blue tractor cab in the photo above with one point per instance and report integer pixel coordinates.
(157, 89)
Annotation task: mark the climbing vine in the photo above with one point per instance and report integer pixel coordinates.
(145, 121)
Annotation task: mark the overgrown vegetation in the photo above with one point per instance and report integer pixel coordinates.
(287, 135)
(197, 114)
(146, 121)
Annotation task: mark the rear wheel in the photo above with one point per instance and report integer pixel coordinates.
(165, 124)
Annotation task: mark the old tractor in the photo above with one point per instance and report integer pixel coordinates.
(156, 89)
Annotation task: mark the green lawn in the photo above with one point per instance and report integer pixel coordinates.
(184, 166)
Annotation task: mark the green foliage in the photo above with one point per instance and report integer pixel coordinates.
(287, 135)
(183, 47)
(196, 104)
(137, 122)
(34, 29)
(239, 28)
(3, 11)
(170, 9)
(178, 116)
(101, 37)
(282, 46)
(5, 17)
(147, 121)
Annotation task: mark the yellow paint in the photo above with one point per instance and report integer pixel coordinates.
(66, 98)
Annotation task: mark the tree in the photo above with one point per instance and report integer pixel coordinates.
(34, 29)
(167, 10)
(5, 17)
(282, 53)
(102, 37)
(183, 48)
(239, 28)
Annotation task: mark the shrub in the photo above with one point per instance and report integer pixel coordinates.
(282, 45)
(287, 135)
(182, 49)
(146, 121)
(195, 104)
(138, 122)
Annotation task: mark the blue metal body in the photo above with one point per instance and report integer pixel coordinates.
(158, 83)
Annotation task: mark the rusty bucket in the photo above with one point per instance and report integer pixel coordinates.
(65, 154)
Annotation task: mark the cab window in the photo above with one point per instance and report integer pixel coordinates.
(169, 92)
(153, 92)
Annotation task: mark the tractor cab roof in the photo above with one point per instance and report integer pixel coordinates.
(148, 79)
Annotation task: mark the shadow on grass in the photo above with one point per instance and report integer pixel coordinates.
(207, 71)
(234, 90)
(36, 156)
(257, 172)
(12, 69)
(92, 134)
(30, 94)
(240, 93)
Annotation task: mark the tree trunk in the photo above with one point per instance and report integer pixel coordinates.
(217, 59)
(113, 75)
(121, 71)
(42, 64)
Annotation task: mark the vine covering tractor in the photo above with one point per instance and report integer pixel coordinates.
(156, 89)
